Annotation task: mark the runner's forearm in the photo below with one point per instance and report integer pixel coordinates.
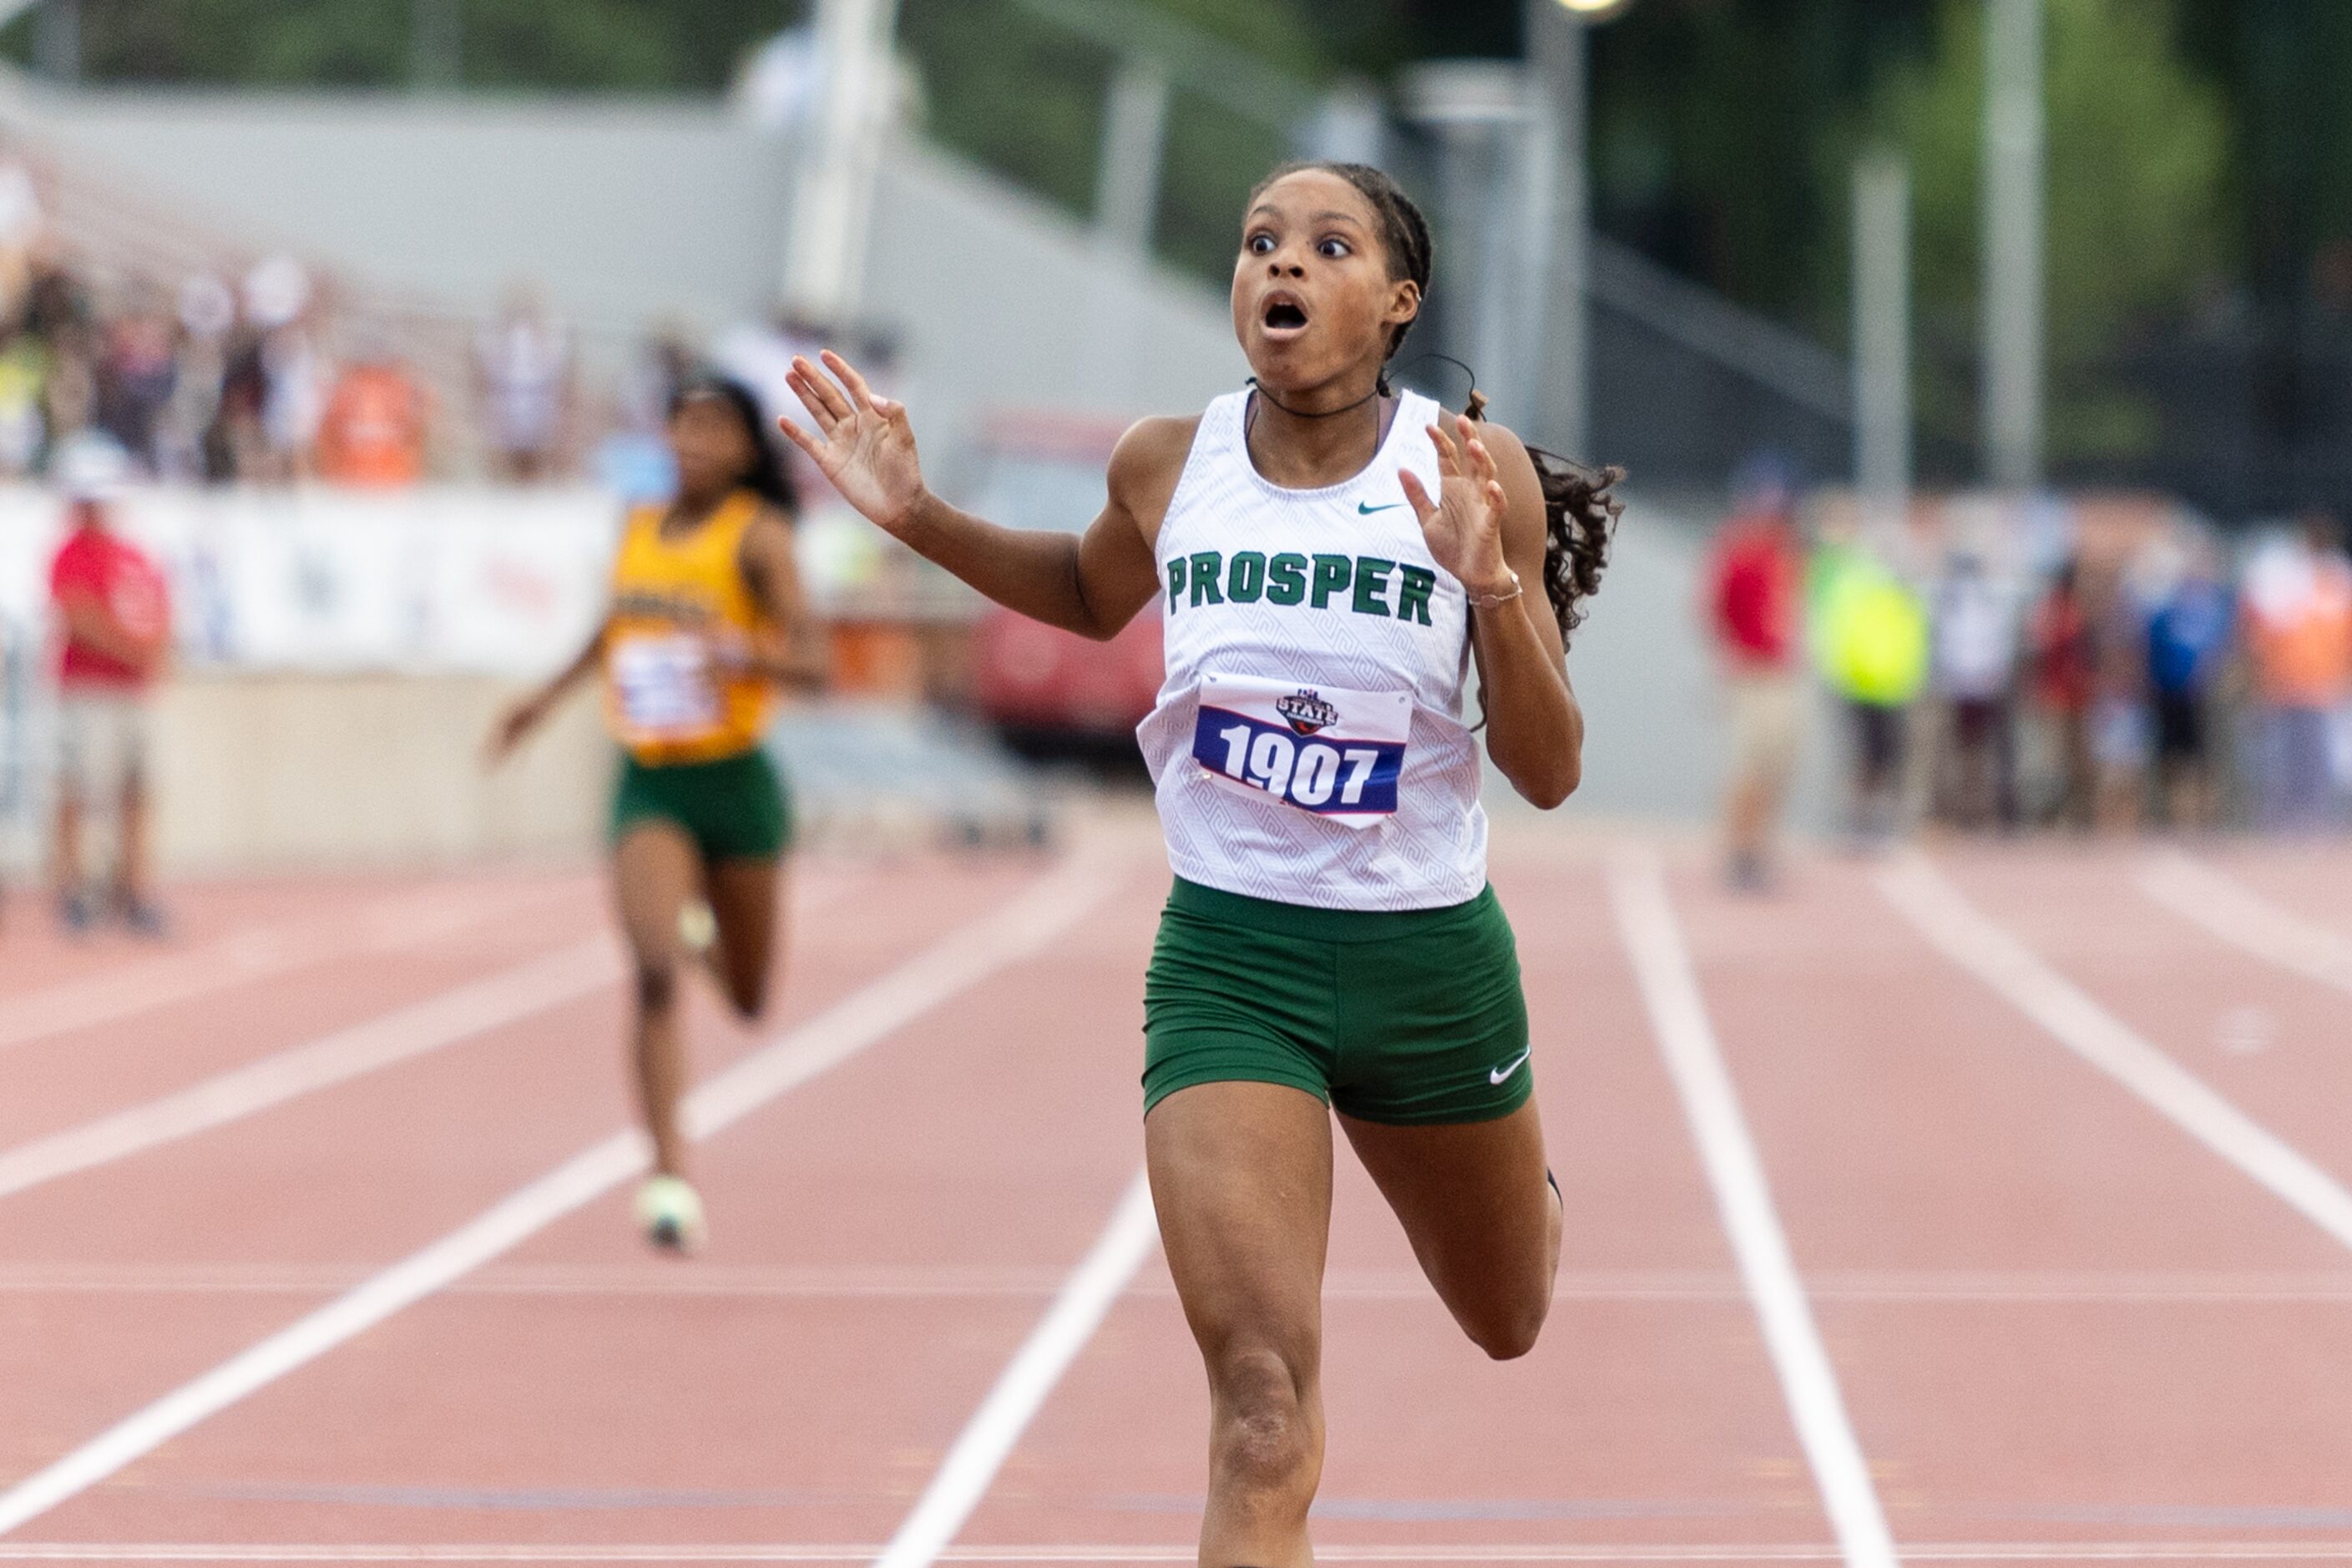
(1535, 731)
(1032, 572)
(582, 665)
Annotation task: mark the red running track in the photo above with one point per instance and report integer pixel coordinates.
(2062, 1328)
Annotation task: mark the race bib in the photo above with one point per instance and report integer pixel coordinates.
(1320, 749)
(663, 686)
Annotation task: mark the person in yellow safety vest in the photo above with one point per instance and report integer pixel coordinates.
(1870, 640)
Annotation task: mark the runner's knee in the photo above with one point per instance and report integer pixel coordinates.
(1265, 1438)
(1507, 1329)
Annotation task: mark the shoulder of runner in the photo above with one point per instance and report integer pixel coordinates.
(1146, 465)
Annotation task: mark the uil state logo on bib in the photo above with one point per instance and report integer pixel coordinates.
(1324, 749)
(1306, 713)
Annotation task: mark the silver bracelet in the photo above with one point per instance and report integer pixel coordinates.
(1496, 601)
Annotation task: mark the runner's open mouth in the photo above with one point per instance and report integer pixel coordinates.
(1281, 314)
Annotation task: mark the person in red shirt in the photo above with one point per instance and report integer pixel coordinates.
(1755, 592)
(113, 616)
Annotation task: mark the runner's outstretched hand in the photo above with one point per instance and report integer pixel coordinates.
(863, 443)
(1463, 525)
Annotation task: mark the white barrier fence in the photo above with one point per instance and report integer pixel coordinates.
(436, 580)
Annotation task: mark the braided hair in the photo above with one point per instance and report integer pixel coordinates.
(1581, 509)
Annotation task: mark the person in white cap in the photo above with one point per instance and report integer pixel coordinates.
(114, 614)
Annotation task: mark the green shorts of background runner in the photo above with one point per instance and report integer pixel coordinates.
(737, 808)
(1406, 1018)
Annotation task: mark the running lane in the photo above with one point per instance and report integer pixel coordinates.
(129, 1039)
(2030, 1283)
(1648, 1413)
(2273, 1419)
(882, 1238)
(316, 1192)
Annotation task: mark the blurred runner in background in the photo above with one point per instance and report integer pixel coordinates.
(2065, 676)
(114, 614)
(1755, 590)
(2298, 603)
(707, 620)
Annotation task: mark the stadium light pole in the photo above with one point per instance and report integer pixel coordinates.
(1557, 247)
(1882, 339)
(2014, 193)
(839, 157)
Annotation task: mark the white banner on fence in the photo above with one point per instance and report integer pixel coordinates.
(504, 582)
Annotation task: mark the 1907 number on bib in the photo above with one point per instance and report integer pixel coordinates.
(1333, 752)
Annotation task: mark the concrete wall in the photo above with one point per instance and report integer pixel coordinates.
(280, 772)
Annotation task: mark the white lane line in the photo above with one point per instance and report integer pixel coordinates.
(1976, 944)
(1015, 1281)
(1938, 1551)
(243, 957)
(879, 1008)
(2225, 907)
(459, 1014)
(1686, 1036)
(1021, 1391)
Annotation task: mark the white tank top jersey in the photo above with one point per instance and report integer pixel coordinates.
(1307, 745)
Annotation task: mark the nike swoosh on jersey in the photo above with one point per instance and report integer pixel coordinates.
(1366, 509)
(1496, 1075)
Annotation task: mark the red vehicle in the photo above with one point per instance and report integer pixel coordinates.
(1037, 684)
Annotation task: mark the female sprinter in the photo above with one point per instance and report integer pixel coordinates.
(1331, 557)
(707, 620)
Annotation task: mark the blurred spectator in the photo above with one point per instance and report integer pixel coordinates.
(2188, 643)
(522, 366)
(136, 372)
(2064, 675)
(1873, 635)
(235, 446)
(1974, 638)
(294, 379)
(21, 226)
(2298, 606)
(114, 623)
(374, 429)
(293, 372)
(1755, 586)
(206, 312)
(633, 460)
(663, 365)
(2122, 740)
(24, 401)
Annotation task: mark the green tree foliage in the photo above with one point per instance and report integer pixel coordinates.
(1011, 91)
(1708, 122)
(644, 45)
(2138, 155)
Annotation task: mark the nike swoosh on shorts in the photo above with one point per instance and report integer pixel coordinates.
(1497, 1074)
